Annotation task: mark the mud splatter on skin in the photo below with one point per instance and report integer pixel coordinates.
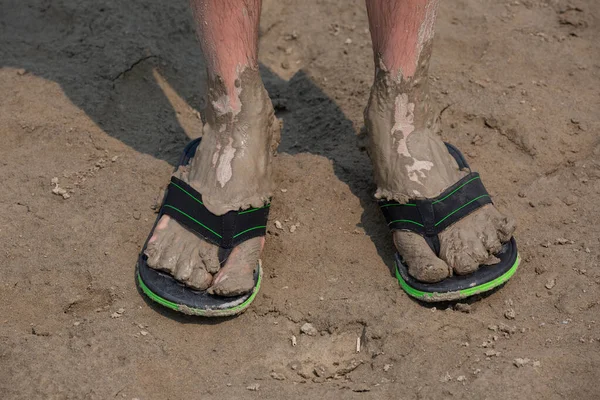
(232, 170)
(232, 166)
(399, 122)
(224, 171)
(409, 162)
(427, 28)
(230, 103)
(404, 116)
(403, 126)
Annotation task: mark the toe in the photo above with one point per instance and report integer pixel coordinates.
(463, 250)
(152, 253)
(157, 249)
(506, 227)
(237, 275)
(504, 224)
(170, 254)
(188, 261)
(491, 241)
(233, 284)
(199, 279)
(422, 262)
(209, 254)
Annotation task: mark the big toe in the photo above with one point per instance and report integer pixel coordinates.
(157, 249)
(237, 275)
(233, 285)
(463, 250)
(422, 262)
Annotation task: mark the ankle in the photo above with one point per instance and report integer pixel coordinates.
(409, 160)
(232, 166)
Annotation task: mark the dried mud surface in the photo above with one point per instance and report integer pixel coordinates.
(103, 96)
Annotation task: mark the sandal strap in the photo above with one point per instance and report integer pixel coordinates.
(429, 217)
(183, 203)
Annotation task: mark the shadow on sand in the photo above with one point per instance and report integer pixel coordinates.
(105, 56)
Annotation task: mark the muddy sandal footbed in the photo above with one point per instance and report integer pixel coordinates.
(184, 204)
(429, 217)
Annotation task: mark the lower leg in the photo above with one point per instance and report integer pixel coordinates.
(232, 165)
(409, 160)
(232, 168)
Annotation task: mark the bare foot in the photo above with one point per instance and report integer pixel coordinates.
(411, 162)
(232, 171)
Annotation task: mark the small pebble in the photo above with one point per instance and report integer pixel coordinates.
(446, 378)
(61, 192)
(521, 362)
(564, 241)
(254, 387)
(278, 225)
(570, 200)
(277, 377)
(308, 329)
(510, 314)
(550, 284)
(507, 329)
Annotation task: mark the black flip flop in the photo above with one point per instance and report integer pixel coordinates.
(184, 204)
(429, 217)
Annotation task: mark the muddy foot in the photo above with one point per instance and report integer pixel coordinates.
(464, 246)
(232, 171)
(410, 161)
(194, 262)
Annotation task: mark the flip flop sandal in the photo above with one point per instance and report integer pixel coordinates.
(184, 204)
(429, 217)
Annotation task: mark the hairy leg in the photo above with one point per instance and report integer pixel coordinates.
(409, 160)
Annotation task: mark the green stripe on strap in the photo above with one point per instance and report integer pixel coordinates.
(194, 219)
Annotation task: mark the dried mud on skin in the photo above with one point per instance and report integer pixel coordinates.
(103, 96)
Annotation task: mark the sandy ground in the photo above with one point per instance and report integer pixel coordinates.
(103, 96)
